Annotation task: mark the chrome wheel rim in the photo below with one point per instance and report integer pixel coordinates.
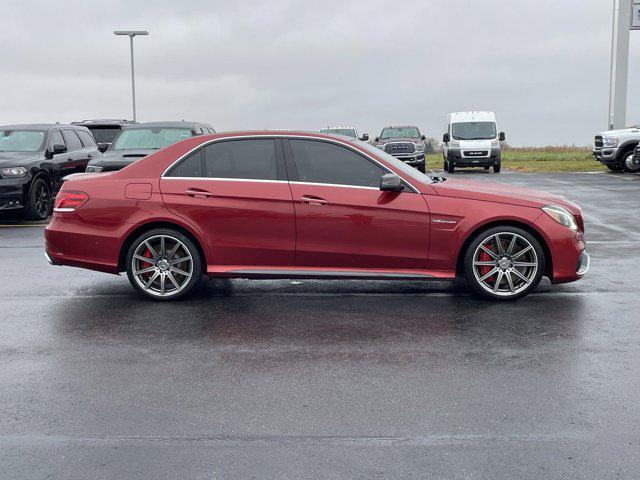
(505, 264)
(162, 265)
(631, 163)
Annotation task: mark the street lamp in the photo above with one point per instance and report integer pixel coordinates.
(131, 34)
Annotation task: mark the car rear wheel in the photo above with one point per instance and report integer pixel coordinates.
(450, 167)
(504, 263)
(39, 202)
(614, 167)
(163, 264)
(631, 165)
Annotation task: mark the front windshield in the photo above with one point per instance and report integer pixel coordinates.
(474, 131)
(408, 132)
(153, 138)
(21, 140)
(398, 164)
(348, 132)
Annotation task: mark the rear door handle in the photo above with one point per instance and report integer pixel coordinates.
(198, 193)
(311, 200)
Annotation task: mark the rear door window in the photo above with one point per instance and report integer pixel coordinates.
(241, 159)
(72, 140)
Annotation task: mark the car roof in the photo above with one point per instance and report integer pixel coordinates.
(401, 126)
(338, 128)
(471, 116)
(181, 124)
(40, 126)
(104, 121)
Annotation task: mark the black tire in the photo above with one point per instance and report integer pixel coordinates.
(496, 168)
(38, 205)
(451, 167)
(487, 167)
(535, 255)
(422, 167)
(628, 164)
(615, 167)
(188, 248)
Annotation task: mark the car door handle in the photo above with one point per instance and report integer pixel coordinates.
(311, 200)
(198, 193)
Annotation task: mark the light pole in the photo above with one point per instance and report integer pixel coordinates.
(131, 34)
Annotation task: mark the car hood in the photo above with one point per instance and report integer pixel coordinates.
(17, 159)
(622, 131)
(474, 144)
(122, 157)
(502, 193)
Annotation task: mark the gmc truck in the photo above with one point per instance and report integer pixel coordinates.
(615, 149)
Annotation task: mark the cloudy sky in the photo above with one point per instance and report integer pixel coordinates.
(541, 65)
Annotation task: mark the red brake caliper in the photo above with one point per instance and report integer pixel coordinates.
(146, 254)
(484, 269)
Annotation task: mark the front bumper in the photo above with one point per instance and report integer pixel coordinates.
(413, 159)
(606, 155)
(13, 192)
(584, 263)
(459, 158)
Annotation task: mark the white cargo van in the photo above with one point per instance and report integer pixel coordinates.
(472, 140)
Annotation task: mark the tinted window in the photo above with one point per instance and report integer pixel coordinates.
(56, 138)
(322, 162)
(250, 159)
(191, 166)
(72, 140)
(104, 134)
(87, 139)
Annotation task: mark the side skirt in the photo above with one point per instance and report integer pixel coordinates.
(267, 272)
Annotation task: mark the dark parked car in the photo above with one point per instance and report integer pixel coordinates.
(139, 140)
(104, 130)
(405, 143)
(33, 161)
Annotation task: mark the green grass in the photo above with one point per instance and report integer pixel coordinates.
(548, 159)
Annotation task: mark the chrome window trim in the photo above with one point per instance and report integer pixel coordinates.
(334, 185)
(222, 179)
(274, 136)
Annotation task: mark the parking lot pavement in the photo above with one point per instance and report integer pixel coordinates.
(279, 379)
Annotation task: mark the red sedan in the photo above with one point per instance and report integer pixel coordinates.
(292, 205)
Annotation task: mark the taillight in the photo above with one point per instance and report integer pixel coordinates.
(69, 201)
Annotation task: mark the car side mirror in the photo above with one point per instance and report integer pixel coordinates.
(58, 148)
(502, 137)
(377, 139)
(422, 137)
(365, 137)
(103, 147)
(390, 182)
(446, 138)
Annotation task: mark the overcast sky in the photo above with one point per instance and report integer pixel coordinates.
(542, 66)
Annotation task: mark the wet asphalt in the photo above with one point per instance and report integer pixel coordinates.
(331, 379)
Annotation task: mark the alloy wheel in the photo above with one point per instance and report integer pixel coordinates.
(505, 264)
(42, 201)
(162, 265)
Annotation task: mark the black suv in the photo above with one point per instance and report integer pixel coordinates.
(33, 161)
(104, 130)
(141, 139)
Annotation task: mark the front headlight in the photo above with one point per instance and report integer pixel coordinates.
(380, 146)
(610, 141)
(562, 216)
(13, 172)
(454, 144)
(93, 169)
(495, 143)
(419, 146)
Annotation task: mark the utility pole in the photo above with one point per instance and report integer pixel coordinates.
(626, 17)
(131, 34)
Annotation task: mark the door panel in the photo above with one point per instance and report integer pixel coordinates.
(245, 222)
(356, 227)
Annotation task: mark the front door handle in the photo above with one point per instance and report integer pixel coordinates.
(311, 200)
(198, 193)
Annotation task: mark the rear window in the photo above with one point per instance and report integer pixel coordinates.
(104, 134)
(153, 138)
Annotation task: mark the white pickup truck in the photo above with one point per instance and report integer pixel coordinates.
(614, 148)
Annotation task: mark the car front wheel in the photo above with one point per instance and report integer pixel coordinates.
(163, 264)
(39, 202)
(504, 263)
(630, 163)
